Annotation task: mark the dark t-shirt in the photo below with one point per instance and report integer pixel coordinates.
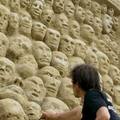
(92, 102)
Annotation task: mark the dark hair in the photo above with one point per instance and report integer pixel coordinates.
(86, 76)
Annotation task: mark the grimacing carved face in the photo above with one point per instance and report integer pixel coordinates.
(52, 39)
(47, 15)
(4, 44)
(69, 9)
(4, 14)
(58, 6)
(42, 53)
(51, 79)
(25, 24)
(74, 29)
(15, 5)
(34, 89)
(36, 9)
(80, 14)
(11, 110)
(33, 111)
(67, 45)
(60, 62)
(80, 49)
(38, 30)
(7, 70)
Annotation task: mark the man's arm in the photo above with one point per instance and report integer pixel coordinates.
(102, 114)
(74, 114)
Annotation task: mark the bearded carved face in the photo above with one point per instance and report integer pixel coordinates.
(36, 9)
(34, 89)
(38, 31)
(52, 39)
(11, 110)
(51, 79)
(4, 44)
(58, 6)
(15, 5)
(54, 104)
(42, 53)
(25, 24)
(67, 45)
(4, 14)
(60, 62)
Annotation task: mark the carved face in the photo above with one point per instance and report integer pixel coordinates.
(14, 21)
(87, 33)
(25, 24)
(91, 58)
(46, 16)
(69, 9)
(15, 5)
(61, 23)
(51, 79)
(96, 9)
(4, 13)
(49, 2)
(11, 110)
(36, 9)
(27, 66)
(5, 2)
(97, 25)
(7, 70)
(107, 23)
(4, 44)
(25, 3)
(74, 61)
(34, 89)
(38, 30)
(60, 62)
(85, 4)
(110, 12)
(33, 111)
(66, 93)
(74, 29)
(107, 84)
(80, 14)
(115, 23)
(42, 53)
(54, 104)
(89, 17)
(76, 2)
(58, 6)
(19, 46)
(52, 39)
(104, 63)
(114, 73)
(117, 94)
(104, 8)
(80, 49)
